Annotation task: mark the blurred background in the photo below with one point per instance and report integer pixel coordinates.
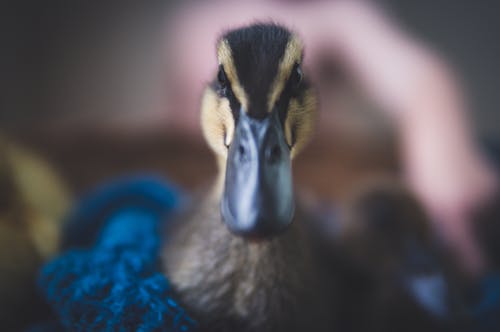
(83, 82)
(85, 93)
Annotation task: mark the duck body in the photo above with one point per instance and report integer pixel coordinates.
(242, 257)
(231, 284)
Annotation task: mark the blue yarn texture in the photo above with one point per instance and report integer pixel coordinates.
(109, 277)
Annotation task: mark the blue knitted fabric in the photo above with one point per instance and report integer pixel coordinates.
(110, 278)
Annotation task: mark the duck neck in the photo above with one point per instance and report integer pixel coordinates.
(218, 273)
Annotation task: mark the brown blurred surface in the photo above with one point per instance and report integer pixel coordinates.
(86, 157)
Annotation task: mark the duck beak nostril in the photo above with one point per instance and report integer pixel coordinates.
(273, 154)
(242, 152)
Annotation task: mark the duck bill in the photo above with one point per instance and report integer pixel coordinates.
(258, 199)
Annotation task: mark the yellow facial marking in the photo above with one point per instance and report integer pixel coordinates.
(292, 55)
(300, 121)
(217, 121)
(225, 57)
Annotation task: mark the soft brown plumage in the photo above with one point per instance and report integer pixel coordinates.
(231, 284)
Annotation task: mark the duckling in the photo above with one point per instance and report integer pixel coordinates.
(241, 258)
(395, 275)
(33, 200)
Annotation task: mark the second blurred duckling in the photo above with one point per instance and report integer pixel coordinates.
(33, 201)
(394, 275)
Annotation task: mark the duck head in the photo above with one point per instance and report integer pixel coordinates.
(257, 114)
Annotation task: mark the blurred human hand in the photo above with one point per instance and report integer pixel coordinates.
(398, 73)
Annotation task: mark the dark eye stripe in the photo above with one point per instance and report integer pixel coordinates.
(295, 79)
(293, 87)
(296, 75)
(221, 77)
(222, 86)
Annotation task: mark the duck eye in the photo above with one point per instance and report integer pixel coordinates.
(221, 77)
(296, 76)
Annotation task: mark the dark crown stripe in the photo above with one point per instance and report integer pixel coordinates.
(257, 51)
